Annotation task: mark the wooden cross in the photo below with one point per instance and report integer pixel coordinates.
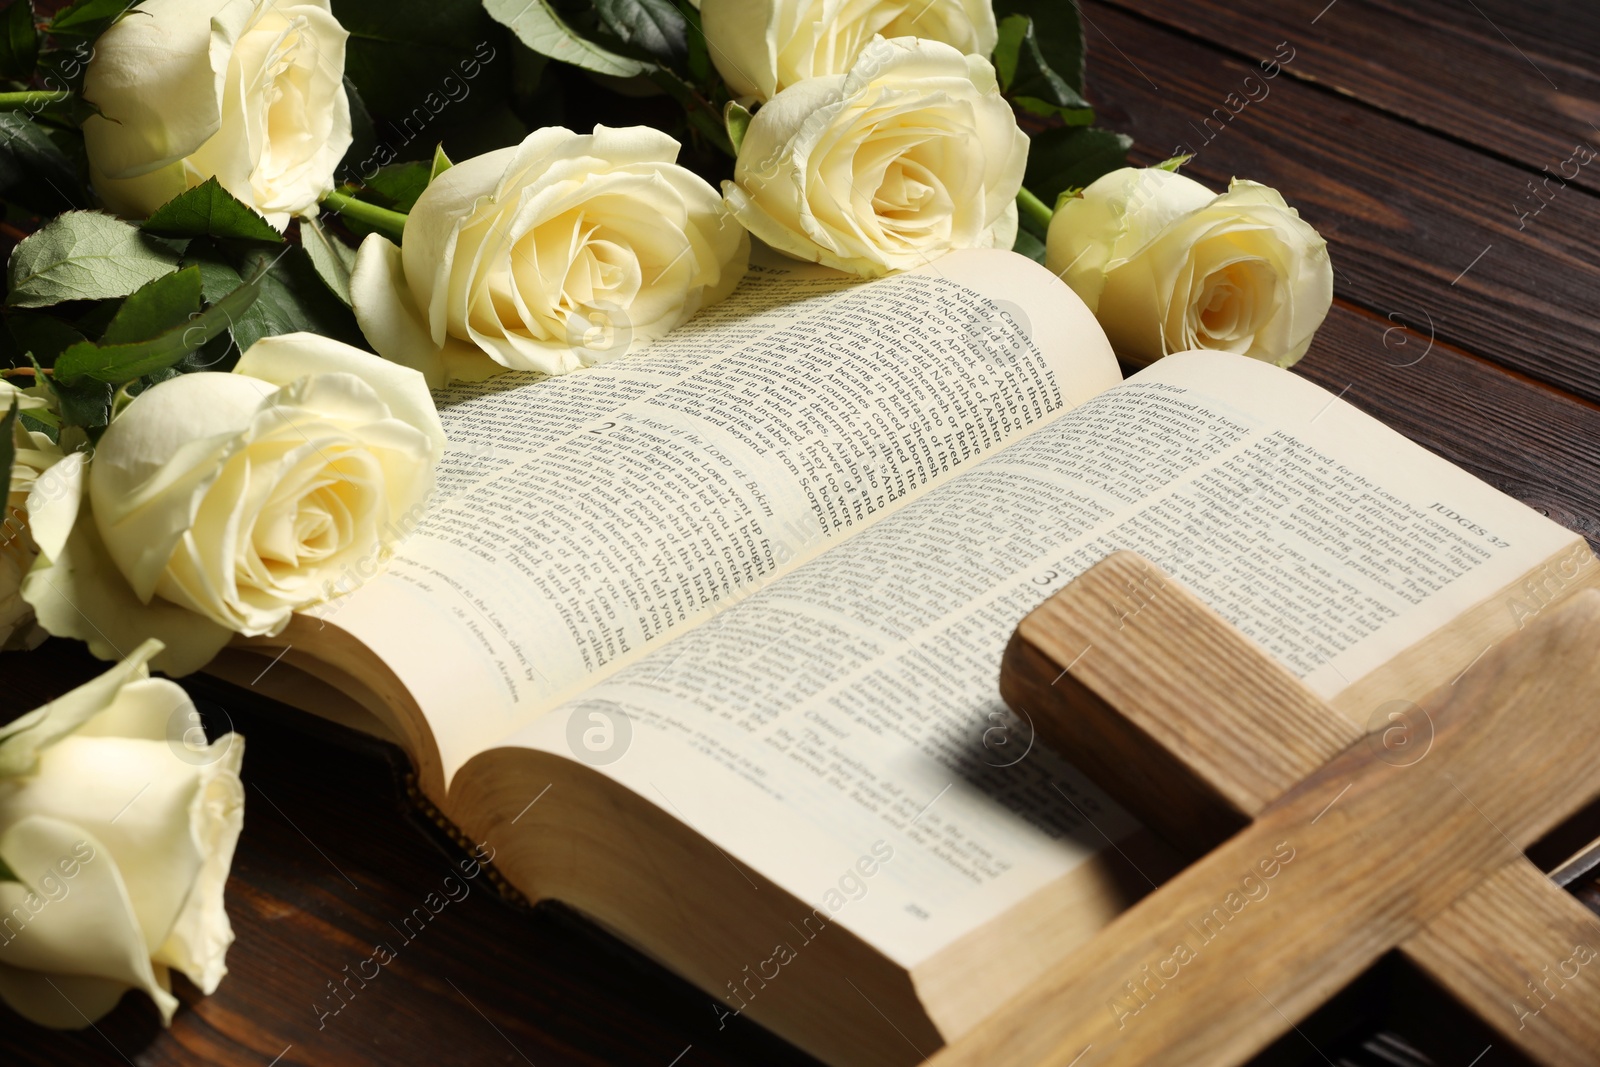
(1331, 846)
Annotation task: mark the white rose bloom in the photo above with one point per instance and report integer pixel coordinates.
(560, 253)
(1167, 266)
(248, 91)
(762, 47)
(911, 154)
(33, 454)
(222, 503)
(117, 830)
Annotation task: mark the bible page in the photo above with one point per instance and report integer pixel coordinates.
(852, 707)
(581, 520)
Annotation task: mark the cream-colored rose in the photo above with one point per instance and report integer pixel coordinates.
(248, 91)
(911, 154)
(33, 453)
(1167, 265)
(117, 829)
(762, 47)
(222, 503)
(560, 253)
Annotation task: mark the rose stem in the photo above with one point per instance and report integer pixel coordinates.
(33, 99)
(1034, 208)
(391, 224)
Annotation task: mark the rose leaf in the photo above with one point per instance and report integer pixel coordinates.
(1058, 32)
(8, 453)
(1073, 157)
(1029, 79)
(119, 363)
(209, 210)
(19, 41)
(84, 255)
(169, 301)
(333, 259)
(88, 18)
(537, 25)
(34, 171)
(398, 185)
(655, 27)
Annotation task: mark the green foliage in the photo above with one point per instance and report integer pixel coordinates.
(88, 18)
(293, 296)
(332, 258)
(157, 307)
(34, 170)
(115, 363)
(8, 453)
(1028, 245)
(84, 255)
(401, 50)
(1028, 78)
(398, 185)
(1058, 30)
(537, 25)
(209, 210)
(1071, 157)
(19, 41)
(654, 27)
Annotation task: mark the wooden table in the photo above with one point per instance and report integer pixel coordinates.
(1406, 131)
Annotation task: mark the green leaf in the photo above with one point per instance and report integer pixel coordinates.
(8, 453)
(333, 259)
(1013, 28)
(209, 210)
(88, 18)
(169, 301)
(1058, 30)
(402, 52)
(1071, 157)
(701, 70)
(737, 119)
(293, 296)
(84, 255)
(1032, 83)
(34, 171)
(655, 27)
(398, 185)
(1029, 245)
(1172, 165)
(86, 403)
(441, 163)
(537, 25)
(19, 41)
(118, 363)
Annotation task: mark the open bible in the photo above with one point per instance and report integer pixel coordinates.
(704, 642)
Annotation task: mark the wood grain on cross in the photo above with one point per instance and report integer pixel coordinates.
(1328, 846)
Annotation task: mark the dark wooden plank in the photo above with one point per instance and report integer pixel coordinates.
(328, 866)
(1567, 31)
(1418, 224)
(1526, 439)
(1439, 63)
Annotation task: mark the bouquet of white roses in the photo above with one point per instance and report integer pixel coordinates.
(248, 236)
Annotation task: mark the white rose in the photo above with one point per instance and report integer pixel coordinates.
(911, 154)
(117, 829)
(1167, 266)
(33, 453)
(248, 91)
(222, 503)
(560, 253)
(762, 47)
